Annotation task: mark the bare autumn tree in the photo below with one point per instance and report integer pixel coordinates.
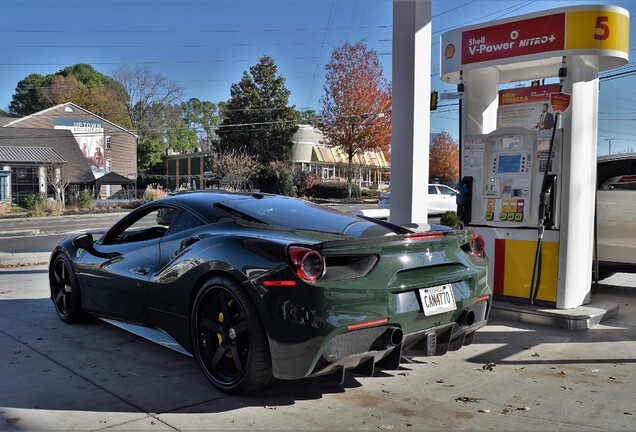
(145, 95)
(356, 107)
(235, 166)
(58, 178)
(444, 157)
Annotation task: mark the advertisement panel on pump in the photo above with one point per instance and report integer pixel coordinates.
(508, 165)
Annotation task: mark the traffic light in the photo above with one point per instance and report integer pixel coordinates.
(434, 100)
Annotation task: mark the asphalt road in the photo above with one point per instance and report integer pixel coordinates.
(50, 230)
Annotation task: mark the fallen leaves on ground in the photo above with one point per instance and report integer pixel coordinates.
(467, 399)
(21, 264)
(489, 366)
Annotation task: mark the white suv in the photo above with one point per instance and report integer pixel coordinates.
(616, 214)
(441, 199)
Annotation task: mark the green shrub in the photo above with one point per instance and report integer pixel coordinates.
(285, 183)
(449, 219)
(85, 199)
(36, 204)
(334, 190)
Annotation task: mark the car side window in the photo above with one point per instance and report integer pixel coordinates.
(432, 190)
(617, 175)
(149, 225)
(445, 191)
(185, 221)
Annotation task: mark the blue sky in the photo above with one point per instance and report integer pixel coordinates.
(206, 45)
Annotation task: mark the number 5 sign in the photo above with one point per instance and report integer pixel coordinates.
(601, 29)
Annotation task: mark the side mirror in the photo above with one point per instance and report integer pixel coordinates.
(85, 241)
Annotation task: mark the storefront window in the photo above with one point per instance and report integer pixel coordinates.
(24, 182)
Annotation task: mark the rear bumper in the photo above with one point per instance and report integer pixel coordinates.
(382, 346)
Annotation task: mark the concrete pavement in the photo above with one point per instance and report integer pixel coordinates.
(516, 376)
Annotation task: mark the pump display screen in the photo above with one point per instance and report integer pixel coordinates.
(509, 164)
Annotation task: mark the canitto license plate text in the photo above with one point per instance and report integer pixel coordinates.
(437, 300)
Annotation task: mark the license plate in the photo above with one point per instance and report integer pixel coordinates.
(437, 300)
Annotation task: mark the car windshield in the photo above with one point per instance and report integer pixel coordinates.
(303, 215)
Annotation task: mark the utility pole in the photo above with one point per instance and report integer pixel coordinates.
(609, 140)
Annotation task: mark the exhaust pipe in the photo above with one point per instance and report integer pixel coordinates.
(467, 318)
(392, 336)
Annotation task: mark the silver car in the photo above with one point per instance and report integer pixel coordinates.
(441, 199)
(616, 214)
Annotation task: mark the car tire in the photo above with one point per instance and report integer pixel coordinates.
(228, 338)
(65, 290)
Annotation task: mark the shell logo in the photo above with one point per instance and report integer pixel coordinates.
(450, 51)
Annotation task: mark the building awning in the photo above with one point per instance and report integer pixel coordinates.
(336, 155)
(35, 155)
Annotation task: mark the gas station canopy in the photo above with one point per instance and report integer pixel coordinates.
(532, 46)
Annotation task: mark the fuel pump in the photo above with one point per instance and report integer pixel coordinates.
(515, 198)
(533, 183)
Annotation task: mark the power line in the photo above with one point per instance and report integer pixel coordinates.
(149, 62)
(198, 45)
(119, 31)
(322, 51)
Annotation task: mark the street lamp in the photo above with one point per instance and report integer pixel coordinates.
(609, 140)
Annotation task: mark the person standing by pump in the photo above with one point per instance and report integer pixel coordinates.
(546, 121)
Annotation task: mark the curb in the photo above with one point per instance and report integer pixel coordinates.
(23, 259)
(19, 233)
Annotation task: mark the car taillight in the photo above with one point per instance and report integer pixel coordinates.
(308, 263)
(477, 245)
(424, 236)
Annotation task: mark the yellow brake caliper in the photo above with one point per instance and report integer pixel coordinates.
(220, 320)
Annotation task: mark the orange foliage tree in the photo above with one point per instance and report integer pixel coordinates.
(444, 157)
(356, 107)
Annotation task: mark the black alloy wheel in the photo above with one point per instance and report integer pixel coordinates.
(65, 291)
(229, 342)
